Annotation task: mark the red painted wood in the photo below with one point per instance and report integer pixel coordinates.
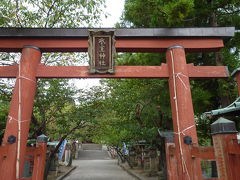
(227, 164)
(182, 113)
(29, 61)
(3, 154)
(121, 72)
(233, 147)
(122, 45)
(207, 71)
(8, 71)
(204, 153)
(171, 161)
(39, 162)
(33, 151)
(126, 45)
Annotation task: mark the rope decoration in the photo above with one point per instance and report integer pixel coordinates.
(10, 118)
(23, 77)
(182, 132)
(179, 76)
(19, 120)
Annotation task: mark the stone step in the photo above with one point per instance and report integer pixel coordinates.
(91, 146)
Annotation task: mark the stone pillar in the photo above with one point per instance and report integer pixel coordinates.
(182, 113)
(20, 113)
(224, 137)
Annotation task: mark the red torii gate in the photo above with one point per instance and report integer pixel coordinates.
(174, 41)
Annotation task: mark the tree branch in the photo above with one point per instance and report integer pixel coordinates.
(17, 10)
(48, 13)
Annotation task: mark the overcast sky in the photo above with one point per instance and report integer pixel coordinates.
(114, 9)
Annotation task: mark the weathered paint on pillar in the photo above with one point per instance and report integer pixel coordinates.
(182, 113)
(172, 169)
(20, 113)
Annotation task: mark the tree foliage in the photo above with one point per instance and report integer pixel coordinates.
(126, 96)
(56, 112)
(50, 13)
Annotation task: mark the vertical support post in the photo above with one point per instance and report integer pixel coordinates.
(40, 159)
(182, 113)
(172, 169)
(171, 161)
(223, 134)
(17, 128)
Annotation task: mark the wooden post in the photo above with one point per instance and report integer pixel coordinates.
(40, 158)
(16, 133)
(223, 134)
(171, 161)
(182, 113)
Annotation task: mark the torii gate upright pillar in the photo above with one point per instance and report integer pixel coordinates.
(182, 113)
(17, 128)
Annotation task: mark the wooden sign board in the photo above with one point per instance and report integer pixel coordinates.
(101, 51)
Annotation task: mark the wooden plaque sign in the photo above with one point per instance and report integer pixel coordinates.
(101, 51)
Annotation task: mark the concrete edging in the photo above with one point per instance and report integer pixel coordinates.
(67, 173)
(130, 172)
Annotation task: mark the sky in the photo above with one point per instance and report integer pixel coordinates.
(114, 9)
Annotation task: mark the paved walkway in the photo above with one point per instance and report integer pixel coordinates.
(96, 165)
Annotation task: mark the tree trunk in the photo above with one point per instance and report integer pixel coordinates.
(52, 153)
(122, 157)
(224, 100)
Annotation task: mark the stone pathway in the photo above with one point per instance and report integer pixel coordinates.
(96, 165)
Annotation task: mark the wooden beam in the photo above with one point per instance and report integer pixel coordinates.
(204, 153)
(160, 45)
(121, 72)
(8, 71)
(207, 71)
(82, 72)
(122, 45)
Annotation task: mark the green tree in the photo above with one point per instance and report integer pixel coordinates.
(207, 94)
(48, 14)
(55, 106)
